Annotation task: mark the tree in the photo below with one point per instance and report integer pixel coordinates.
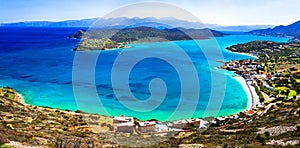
(267, 135)
(261, 138)
(287, 92)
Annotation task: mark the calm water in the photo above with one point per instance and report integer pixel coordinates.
(38, 63)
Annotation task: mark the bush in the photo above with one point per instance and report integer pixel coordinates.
(261, 97)
(111, 128)
(103, 124)
(267, 135)
(261, 138)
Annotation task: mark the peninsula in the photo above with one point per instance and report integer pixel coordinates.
(104, 39)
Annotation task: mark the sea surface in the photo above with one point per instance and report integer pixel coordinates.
(41, 65)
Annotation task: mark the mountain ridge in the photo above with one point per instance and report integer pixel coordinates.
(122, 22)
(292, 30)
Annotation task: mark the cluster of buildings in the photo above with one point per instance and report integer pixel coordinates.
(124, 124)
(248, 69)
(186, 124)
(129, 125)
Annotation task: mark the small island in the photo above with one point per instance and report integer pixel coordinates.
(105, 39)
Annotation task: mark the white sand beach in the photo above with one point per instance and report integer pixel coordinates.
(253, 98)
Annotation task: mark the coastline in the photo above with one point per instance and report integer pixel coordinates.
(252, 96)
(253, 99)
(243, 53)
(20, 98)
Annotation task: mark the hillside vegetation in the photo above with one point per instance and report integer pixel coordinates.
(102, 39)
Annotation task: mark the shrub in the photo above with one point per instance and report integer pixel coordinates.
(103, 124)
(261, 138)
(267, 135)
(261, 97)
(111, 128)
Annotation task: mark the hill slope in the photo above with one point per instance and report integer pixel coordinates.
(292, 30)
(27, 125)
(112, 38)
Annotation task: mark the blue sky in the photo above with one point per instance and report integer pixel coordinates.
(222, 12)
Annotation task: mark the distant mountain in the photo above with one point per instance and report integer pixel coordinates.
(123, 22)
(70, 23)
(240, 28)
(292, 30)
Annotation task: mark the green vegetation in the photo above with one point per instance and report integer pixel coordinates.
(278, 60)
(286, 91)
(99, 44)
(107, 39)
(7, 93)
(260, 95)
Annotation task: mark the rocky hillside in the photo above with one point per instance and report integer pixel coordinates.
(292, 30)
(24, 125)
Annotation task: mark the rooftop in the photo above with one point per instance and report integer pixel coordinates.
(147, 123)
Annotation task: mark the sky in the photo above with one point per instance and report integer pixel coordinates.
(221, 12)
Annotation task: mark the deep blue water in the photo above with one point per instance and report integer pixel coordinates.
(39, 63)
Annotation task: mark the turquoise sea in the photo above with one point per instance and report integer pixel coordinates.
(39, 63)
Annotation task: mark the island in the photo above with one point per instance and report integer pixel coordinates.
(105, 39)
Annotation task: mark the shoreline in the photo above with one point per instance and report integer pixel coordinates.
(252, 96)
(251, 103)
(243, 53)
(20, 98)
(253, 99)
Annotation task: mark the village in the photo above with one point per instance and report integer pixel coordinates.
(130, 125)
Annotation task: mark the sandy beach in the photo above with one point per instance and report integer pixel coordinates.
(243, 53)
(253, 98)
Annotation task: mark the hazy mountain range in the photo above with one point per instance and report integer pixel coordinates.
(123, 22)
(292, 30)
